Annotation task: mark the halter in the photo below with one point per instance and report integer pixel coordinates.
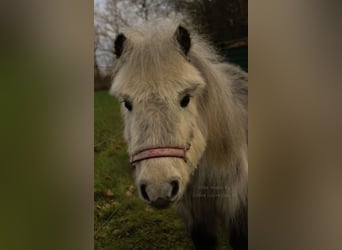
(158, 152)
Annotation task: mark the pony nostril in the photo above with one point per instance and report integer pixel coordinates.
(175, 188)
(143, 192)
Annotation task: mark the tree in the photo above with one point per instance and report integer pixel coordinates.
(220, 20)
(104, 35)
(110, 16)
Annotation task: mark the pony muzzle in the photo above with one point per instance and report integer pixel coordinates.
(160, 195)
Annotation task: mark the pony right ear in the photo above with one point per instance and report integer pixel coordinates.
(119, 44)
(183, 38)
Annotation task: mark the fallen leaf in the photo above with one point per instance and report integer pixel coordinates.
(128, 193)
(109, 193)
(131, 189)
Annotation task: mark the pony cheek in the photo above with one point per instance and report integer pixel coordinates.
(196, 150)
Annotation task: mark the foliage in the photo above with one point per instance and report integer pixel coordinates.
(220, 20)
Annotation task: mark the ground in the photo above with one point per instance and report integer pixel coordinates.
(121, 219)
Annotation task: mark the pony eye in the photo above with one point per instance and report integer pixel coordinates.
(185, 101)
(128, 105)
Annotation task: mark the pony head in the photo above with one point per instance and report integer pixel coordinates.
(161, 93)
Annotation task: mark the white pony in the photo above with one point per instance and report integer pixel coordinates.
(185, 114)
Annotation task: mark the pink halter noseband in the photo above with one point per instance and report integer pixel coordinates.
(158, 152)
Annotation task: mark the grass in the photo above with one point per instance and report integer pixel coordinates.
(122, 220)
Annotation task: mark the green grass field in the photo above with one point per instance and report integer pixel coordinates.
(122, 220)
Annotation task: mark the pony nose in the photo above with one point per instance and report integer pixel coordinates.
(159, 196)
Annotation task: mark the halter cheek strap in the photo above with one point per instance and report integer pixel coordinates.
(158, 152)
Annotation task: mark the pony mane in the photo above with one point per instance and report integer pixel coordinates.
(224, 104)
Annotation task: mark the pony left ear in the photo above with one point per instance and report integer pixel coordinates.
(119, 44)
(183, 38)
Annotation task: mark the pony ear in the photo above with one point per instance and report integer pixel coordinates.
(119, 44)
(183, 38)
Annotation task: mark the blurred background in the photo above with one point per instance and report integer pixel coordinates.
(224, 23)
(47, 125)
